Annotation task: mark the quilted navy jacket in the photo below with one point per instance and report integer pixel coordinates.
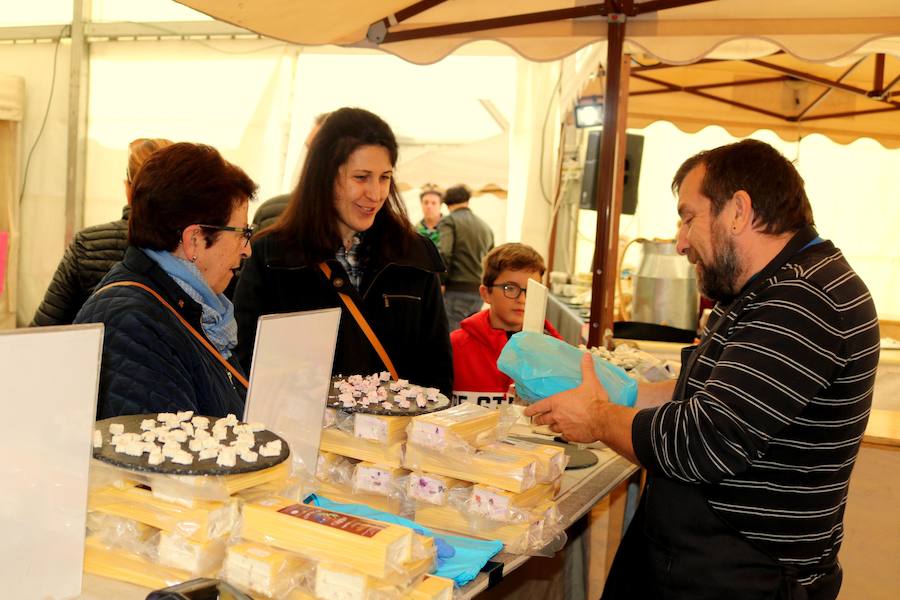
(151, 362)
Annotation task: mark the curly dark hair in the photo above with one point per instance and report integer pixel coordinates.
(775, 187)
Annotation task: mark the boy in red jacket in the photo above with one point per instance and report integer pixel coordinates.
(481, 337)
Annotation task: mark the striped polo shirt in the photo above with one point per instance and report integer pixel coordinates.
(775, 407)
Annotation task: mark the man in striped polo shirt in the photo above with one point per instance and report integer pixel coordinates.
(749, 454)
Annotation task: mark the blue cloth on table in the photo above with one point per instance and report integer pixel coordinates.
(459, 558)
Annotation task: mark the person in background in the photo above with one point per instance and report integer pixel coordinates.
(749, 454)
(268, 212)
(93, 251)
(463, 240)
(345, 236)
(480, 339)
(431, 198)
(169, 331)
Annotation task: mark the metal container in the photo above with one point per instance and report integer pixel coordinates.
(665, 287)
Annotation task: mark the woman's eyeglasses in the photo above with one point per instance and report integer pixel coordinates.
(247, 231)
(511, 290)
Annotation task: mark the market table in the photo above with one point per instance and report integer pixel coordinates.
(581, 490)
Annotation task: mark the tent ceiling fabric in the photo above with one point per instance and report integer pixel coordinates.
(814, 30)
(781, 93)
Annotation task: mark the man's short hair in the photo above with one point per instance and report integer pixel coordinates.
(457, 195)
(430, 188)
(775, 187)
(512, 256)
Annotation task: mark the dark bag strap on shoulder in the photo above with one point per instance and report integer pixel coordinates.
(237, 374)
(363, 324)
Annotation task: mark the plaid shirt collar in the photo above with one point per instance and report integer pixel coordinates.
(350, 260)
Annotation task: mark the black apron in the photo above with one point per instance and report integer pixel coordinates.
(677, 547)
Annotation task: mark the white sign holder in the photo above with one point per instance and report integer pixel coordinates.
(291, 377)
(535, 307)
(50, 378)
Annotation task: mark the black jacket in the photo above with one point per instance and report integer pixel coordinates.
(269, 211)
(151, 362)
(89, 257)
(401, 301)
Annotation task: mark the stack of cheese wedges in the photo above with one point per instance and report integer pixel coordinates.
(153, 531)
(467, 481)
(354, 558)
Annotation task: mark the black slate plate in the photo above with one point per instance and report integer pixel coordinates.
(132, 423)
(579, 458)
(377, 409)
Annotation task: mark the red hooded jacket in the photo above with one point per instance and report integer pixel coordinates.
(476, 348)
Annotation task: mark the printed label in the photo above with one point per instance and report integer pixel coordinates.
(347, 523)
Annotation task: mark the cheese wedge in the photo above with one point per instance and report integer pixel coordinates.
(197, 558)
(266, 570)
(376, 549)
(551, 460)
(346, 495)
(381, 429)
(378, 479)
(102, 560)
(516, 537)
(462, 424)
(505, 471)
(343, 443)
(205, 521)
(431, 487)
(186, 490)
(504, 506)
(431, 587)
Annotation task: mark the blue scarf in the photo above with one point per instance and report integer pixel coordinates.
(218, 311)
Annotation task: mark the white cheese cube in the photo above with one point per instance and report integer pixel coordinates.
(273, 448)
(98, 439)
(249, 456)
(183, 458)
(156, 458)
(148, 424)
(207, 453)
(227, 457)
(116, 428)
(200, 422)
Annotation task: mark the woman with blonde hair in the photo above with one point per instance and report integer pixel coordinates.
(93, 252)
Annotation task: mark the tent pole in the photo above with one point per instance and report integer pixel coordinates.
(76, 138)
(610, 175)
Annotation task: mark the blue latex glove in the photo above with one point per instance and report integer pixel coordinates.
(462, 566)
(444, 550)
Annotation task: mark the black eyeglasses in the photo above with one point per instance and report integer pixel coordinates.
(247, 231)
(511, 290)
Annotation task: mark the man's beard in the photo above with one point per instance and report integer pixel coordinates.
(718, 281)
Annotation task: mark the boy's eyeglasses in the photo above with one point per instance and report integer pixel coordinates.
(247, 231)
(511, 290)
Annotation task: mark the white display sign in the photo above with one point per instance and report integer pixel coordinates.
(291, 376)
(50, 378)
(535, 307)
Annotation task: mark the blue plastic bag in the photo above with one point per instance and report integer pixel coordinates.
(542, 365)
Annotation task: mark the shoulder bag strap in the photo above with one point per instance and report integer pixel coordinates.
(237, 374)
(363, 324)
